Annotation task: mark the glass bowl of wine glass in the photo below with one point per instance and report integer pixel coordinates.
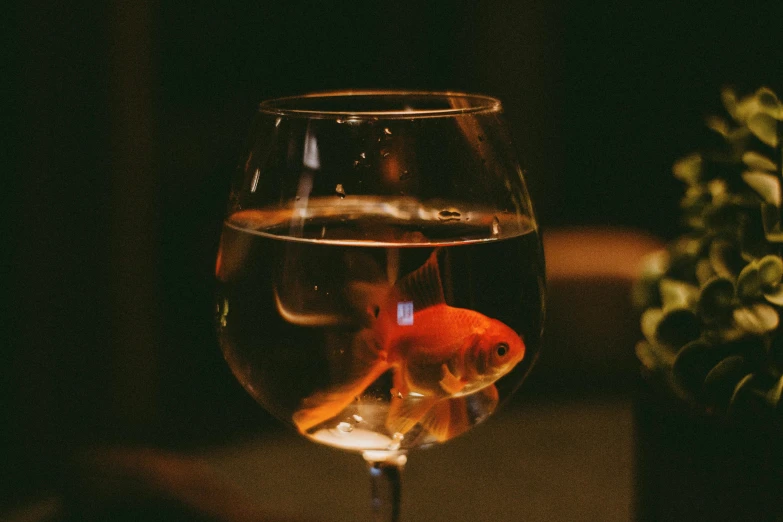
(381, 282)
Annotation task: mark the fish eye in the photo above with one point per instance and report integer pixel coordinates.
(501, 349)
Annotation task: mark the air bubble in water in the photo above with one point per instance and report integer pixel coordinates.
(449, 215)
(363, 155)
(495, 226)
(358, 418)
(385, 154)
(340, 190)
(387, 131)
(345, 427)
(394, 445)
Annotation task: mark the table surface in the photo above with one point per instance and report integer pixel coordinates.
(540, 461)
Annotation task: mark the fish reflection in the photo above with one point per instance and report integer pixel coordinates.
(445, 360)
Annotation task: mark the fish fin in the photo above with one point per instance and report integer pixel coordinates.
(400, 386)
(451, 417)
(423, 286)
(406, 412)
(447, 419)
(323, 405)
(483, 402)
(450, 383)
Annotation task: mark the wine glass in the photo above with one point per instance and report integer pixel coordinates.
(380, 271)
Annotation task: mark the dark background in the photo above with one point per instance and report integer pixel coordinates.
(127, 121)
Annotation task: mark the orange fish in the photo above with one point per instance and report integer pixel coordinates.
(439, 356)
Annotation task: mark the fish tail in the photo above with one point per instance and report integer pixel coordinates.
(326, 404)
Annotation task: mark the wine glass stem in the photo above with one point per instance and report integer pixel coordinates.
(385, 485)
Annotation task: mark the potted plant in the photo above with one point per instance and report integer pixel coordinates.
(710, 416)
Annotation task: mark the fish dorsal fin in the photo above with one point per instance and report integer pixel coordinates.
(423, 286)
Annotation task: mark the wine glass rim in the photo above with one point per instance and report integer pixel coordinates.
(306, 105)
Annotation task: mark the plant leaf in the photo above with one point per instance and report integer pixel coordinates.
(757, 161)
(654, 357)
(718, 125)
(769, 103)
(770, 218)
(677, 294)
(693, 363)
(704, 271)
(775, 393)
(677, 327)
(770, 270)
(688, 169)
(726, 258)
(766, 185)
(721, 380)
(649, 323)
(775, 296)
(729, 99)
(765, 127)
(756, 393)
(655, 263)
(715, 300)
(738, 391)
(749, 282)
(758, 318)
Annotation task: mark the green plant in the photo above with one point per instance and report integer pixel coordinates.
(712, 300)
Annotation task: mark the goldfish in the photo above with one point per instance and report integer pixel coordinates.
(440, 356)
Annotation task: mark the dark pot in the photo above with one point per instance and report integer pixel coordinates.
(691, 466)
